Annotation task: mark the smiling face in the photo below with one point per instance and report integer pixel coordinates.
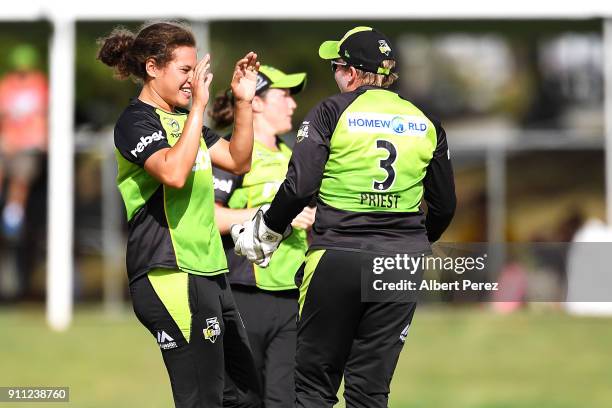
(173, 81)
(278, 106)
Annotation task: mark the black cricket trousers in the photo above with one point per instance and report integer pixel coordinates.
(270, 320)
(340, 335)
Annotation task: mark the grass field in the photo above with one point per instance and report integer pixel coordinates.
(460, 358)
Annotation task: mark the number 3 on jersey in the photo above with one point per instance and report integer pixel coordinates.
(386, 165)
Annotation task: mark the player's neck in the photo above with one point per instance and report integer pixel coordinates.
(264, 134)
(149, 96)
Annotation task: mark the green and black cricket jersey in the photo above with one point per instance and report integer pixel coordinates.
(370, 156)
(168, 227)
(252, 190)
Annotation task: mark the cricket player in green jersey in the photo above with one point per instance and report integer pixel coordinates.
(175, 260)
(267, 298)
(370, 157)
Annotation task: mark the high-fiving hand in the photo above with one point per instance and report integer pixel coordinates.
(200, 83)
(255, 240)
(244, 80)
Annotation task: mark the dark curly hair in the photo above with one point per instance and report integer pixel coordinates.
(127, 52)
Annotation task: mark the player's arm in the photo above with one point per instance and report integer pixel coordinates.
(225, 185)
(439, 188)
(259, 238)
(172, 165)
(306, 166)
(226, 217)
(235, 155)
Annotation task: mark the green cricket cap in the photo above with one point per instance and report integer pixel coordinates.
(270, 77)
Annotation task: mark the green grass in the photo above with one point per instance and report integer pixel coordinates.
(452, 358)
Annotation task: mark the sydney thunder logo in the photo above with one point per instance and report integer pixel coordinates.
(302, 132)
(174, 125)
(384, 47)
(212, 330)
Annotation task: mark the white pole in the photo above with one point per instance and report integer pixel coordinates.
(113, 243)
(201, 32)
(61, 176)
(607, 74)
(496, 207)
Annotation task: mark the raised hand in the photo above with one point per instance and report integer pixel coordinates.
(244, 79)
(200, 83)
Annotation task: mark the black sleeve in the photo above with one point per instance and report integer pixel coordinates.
(225, 183)
(210, 137)
(139, 134)
(308, 160)
(439, 186)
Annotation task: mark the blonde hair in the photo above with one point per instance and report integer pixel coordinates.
(384, 81)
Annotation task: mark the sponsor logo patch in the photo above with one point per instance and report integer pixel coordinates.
(384, 47)
(212, 330)
(202, 161)
(302, 132)
(145, 141)
(223, 185)
(271, 188)
(404, 334)
(164, 340)
(173, 124)
(402, 125)
(261, 82)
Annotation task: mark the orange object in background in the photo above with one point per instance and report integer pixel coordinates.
(23, 111)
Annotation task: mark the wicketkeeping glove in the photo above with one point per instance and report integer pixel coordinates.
(255, 240)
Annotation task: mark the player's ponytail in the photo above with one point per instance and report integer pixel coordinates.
(222, 112)
(114, 51)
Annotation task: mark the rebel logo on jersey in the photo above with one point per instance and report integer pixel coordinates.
(145, 141)
(223, 185)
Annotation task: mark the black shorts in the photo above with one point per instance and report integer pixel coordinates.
(196, 324)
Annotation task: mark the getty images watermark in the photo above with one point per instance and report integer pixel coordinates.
(412, 265)
(491, 272)
(404, 277)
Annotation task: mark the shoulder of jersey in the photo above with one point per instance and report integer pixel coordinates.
(340, 101)
(136, 111)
